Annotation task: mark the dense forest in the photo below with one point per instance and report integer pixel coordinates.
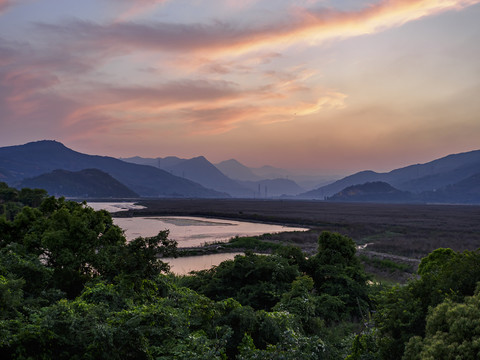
(72, 287)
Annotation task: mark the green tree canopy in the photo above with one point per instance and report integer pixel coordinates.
(452, 332)
(402, 310)
(339, 277)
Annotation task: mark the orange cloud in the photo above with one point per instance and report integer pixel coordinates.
(220, 38)
(207, 107)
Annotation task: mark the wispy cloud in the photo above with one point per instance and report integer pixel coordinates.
(311, 26)
(133, 8)
(222, 71)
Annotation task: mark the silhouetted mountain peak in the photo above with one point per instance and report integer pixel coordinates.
(236, 170)
(41, 145)
(414, 178)
(230, 162)
(199, 160)
(34, 159)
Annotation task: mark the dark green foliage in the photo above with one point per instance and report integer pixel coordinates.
(339, 277)
(452, 332)
(294, 256)
(364, 347)
(433, 264)
(283, 306)
(301, 302)
(62, 245)
(254, 280)
(12, 200)
(11, 295)
(251, 243)
(402, 311)
(386, 264)
(100, 325)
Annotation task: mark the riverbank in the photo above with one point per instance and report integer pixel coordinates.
(406, 230)
(394, 231)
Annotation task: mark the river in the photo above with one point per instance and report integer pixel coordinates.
(189, 232)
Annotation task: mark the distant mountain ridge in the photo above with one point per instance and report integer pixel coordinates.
(84, 183)
(200, 170)
(414, 178)
(37, 158)
(452, 179)
(466, 191)
(236, 170)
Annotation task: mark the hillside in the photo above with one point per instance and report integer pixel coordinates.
(466, 191)
(37, 158)
(377, 191)
(236, 170)
(414, 178)
(161, 163)
(200, 170)
(84, 183)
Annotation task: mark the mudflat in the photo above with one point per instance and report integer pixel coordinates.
(410, 230)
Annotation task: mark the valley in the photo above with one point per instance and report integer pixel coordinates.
(402, 233)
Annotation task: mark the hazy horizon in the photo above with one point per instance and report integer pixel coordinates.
(334, 86)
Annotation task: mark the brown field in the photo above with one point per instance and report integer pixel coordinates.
(403, 230)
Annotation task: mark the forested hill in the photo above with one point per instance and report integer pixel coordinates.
(376, 191)
(33, 159)
(71, 287)
(84, 183)
(431, 176)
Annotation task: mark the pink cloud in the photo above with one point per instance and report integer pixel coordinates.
(134, 8)
(41, 88)
(5, 5)
(302, 25)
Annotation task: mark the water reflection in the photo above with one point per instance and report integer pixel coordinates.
(115, 206)
(195, 231)
(183, 265)
(189, 232)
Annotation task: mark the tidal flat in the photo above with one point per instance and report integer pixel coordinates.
(399, 229)
(384, 233)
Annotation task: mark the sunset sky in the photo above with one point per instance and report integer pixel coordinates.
(330, 85)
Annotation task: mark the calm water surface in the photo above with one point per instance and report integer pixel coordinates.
(190, 232)
(183, 265)
(195, 231)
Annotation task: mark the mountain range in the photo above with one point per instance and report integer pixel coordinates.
(451, 179)
(20, 162)
(420, 178)
(230, 176)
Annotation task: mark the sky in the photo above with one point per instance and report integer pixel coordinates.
(327, 85)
